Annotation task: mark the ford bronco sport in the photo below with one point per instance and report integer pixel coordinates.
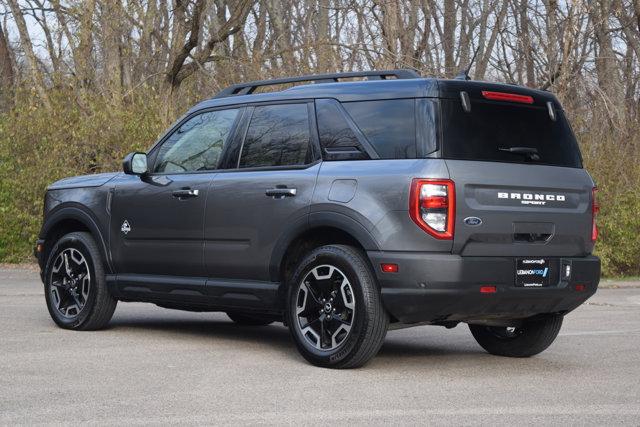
(344, 207)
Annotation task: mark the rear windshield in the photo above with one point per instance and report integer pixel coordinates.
(506, 132)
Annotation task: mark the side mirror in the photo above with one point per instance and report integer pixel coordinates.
(135, 164)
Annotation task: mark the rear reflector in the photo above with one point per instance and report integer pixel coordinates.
(580, 288)
(389, 268)
(488, 289)
(595, 208)
(509, 97)
(432, 206)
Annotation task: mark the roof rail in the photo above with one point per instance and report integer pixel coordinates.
(249, 87)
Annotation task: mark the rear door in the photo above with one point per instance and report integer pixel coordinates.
(265, 193)
(520, 186)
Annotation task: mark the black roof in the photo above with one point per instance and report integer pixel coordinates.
(406, 84)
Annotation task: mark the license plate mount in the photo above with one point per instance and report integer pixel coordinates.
(532, 272)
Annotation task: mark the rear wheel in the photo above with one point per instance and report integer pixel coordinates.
(249, 319)
(75, 288)
(528, 339)
(334, 310)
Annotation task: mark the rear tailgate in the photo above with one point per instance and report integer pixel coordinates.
(520, 186)
(524, 210)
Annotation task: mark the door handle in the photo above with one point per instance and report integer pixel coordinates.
(280, 193)
(186, 193)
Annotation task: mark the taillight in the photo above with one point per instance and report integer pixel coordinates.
(509, 97)
(595, 208)
(432, 205)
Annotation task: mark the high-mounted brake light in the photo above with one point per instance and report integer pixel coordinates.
(432, 205)
(509, 97)
(595, 208)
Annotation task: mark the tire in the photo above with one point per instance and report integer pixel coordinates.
(531, 338)
(354, 303)
(84, 304)
(249, 319)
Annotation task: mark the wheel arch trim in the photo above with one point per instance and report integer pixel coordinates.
(319, 220)
(81, 214)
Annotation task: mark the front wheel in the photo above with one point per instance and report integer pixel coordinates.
(334, 309)
(75, 288)
(527, 339)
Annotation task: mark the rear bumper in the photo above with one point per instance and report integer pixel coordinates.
(432, 287)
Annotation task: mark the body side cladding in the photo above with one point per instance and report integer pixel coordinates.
(316, 221)
(345, 223)
(208, 294)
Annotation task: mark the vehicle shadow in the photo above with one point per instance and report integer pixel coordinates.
(396, 351)
(275, 335)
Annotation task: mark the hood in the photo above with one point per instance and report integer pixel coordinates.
(94, 180)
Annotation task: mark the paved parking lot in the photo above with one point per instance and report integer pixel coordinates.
(160, 366)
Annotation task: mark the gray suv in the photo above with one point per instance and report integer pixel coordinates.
(340, 208)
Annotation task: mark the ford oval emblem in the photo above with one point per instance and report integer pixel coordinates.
(473, 221)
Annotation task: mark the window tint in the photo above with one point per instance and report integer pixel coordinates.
(278, 135)
(337, 139)
(491, 128)
(388, 125)
(427, 125)
(197, 144)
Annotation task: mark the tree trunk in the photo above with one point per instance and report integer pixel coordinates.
(325, 62)
(6, 74)
(526, 44)
(449, 28)
(110, 22)
(607, 68)
(32, 60)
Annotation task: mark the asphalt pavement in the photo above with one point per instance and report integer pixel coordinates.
(158, 366)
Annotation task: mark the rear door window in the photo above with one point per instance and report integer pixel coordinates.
(278, 135)
(389, 126)
(492, 130)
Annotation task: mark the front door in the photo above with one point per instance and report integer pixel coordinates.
(157, 221)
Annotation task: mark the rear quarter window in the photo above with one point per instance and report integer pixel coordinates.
(388, 125)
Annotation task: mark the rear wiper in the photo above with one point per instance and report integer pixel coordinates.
(529, 152)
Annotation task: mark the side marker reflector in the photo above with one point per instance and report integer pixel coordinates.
(389, 268)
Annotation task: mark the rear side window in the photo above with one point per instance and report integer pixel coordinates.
(337, 139)
(278, 135)
(499, 131)
(388, 125)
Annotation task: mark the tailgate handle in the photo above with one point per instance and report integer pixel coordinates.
(531, 237)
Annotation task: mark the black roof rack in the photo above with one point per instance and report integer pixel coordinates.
(249, 87)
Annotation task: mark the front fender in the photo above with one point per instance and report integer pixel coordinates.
(75, 212)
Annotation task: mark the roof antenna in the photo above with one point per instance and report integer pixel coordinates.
(464, 73)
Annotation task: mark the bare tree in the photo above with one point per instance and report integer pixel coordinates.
(32, 61)
(6, 73)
